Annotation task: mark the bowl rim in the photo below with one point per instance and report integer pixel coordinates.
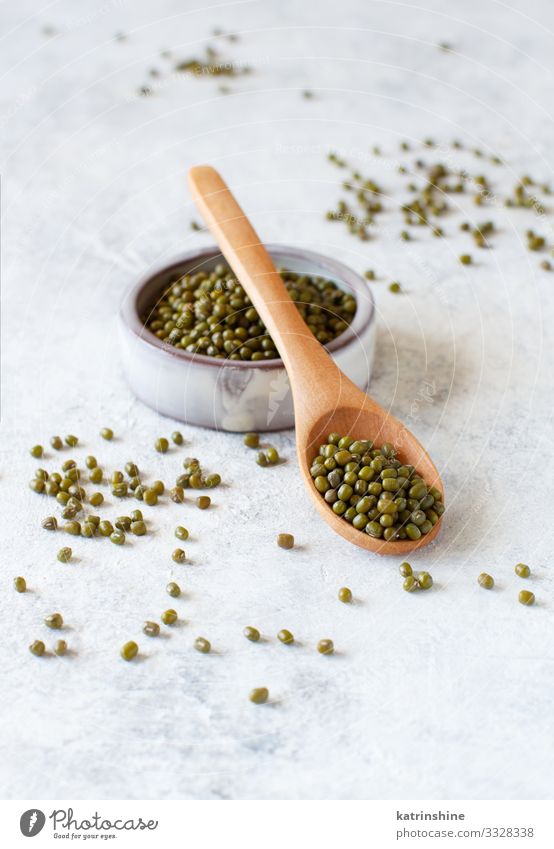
(130, 318)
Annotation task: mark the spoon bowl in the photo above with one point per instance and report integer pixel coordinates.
(325, 400)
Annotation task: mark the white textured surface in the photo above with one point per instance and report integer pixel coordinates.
(445, 694)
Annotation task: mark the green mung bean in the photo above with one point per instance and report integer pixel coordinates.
(259, 695)
(272, 455)
(151, 629)
(325, 647)
(117, 537)
(424, 580)
(486, 581)
(178, 555)
(285, 541)
(138, 528)
(251, 440)
(106, 433)
(20, 584)
(410, 584)
(202, 645)
(526, 597)
(371, 489)
(251, 634)
(60, 648)
(56, 443)
(64, 554)
(522, 570)
(203, 502)
(54, 620)
(129, 650)
(173, 589)
(37, 648)
(36, 451)
(177, 494)
(345, 595)
(169, 617)
(105, 528)
(149, 496)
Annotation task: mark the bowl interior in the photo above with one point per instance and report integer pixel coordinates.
(148, 290)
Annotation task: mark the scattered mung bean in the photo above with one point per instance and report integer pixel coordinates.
(259, 695)
(202, 645)
(373, 490)
(54, 620)
(50, 523)
(60, 648)
(129, 650)
(117, 537)
(138, 528)
(486, 581)
(169, 617)
(37, 648)
(526, 597)
(424, 580)
(210, 313)
(410, 584)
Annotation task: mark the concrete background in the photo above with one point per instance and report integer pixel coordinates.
(445, 694)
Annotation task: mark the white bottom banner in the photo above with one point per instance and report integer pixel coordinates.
(276, 824)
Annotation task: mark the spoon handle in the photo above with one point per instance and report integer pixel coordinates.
(305, 359)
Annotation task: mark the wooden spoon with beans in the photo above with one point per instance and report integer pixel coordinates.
(325, 400)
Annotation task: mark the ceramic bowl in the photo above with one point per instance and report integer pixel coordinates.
(233, 395)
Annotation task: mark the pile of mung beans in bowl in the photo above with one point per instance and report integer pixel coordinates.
(194, 348)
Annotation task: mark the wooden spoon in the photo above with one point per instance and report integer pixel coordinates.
(325, 400)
